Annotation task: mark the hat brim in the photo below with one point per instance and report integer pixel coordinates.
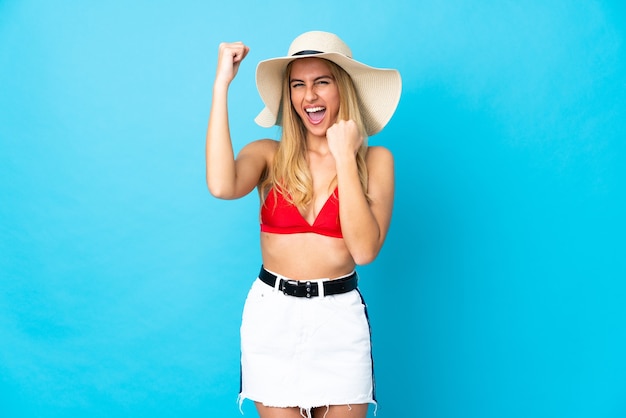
(378, 89)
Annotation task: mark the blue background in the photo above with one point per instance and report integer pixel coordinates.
(500, 291)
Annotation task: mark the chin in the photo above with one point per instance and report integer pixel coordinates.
(318, 133)
(317, 130)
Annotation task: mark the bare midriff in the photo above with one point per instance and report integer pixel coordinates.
(306, 256)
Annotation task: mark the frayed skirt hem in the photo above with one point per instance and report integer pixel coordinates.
(305, 410)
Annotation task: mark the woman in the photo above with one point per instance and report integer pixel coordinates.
(305, 338)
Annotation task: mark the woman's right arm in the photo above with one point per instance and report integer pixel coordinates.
(227, 177)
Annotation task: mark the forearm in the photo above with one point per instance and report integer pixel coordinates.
(220, 158)
(361, 231)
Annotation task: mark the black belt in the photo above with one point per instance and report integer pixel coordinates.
(309, 289)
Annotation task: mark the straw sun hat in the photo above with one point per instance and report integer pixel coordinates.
(378, 89)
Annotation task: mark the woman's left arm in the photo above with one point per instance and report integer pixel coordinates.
(364, 224)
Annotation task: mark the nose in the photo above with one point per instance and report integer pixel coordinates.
(310, 94)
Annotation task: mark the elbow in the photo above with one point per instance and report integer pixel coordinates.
(221, 195)
(219, 190)
(363, 257)
(215, 190)
(363, 250)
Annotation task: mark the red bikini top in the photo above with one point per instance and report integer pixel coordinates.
(278, 216)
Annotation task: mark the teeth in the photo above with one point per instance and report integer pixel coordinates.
(314, 109)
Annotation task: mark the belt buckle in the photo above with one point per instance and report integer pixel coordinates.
(288, 282)
(308, 286)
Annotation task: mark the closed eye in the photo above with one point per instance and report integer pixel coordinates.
(323, 80)
(320, 81)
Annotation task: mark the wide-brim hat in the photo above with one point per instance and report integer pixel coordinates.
(378, 89)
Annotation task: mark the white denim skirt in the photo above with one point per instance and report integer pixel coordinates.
(305, 352)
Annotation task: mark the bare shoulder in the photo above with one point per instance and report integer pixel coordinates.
(379, 157)
(263, 148)
(267, 143)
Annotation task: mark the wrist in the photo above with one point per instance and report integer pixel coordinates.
(221, 83)
(220, 89)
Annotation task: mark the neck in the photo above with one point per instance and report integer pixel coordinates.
(317, 144)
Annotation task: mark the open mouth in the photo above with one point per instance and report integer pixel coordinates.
(315, 114)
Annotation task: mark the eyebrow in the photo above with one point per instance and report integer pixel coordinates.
(291, 80)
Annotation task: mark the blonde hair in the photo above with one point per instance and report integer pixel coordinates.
(290, 173)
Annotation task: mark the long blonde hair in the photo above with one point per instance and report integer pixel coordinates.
(290, 173)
